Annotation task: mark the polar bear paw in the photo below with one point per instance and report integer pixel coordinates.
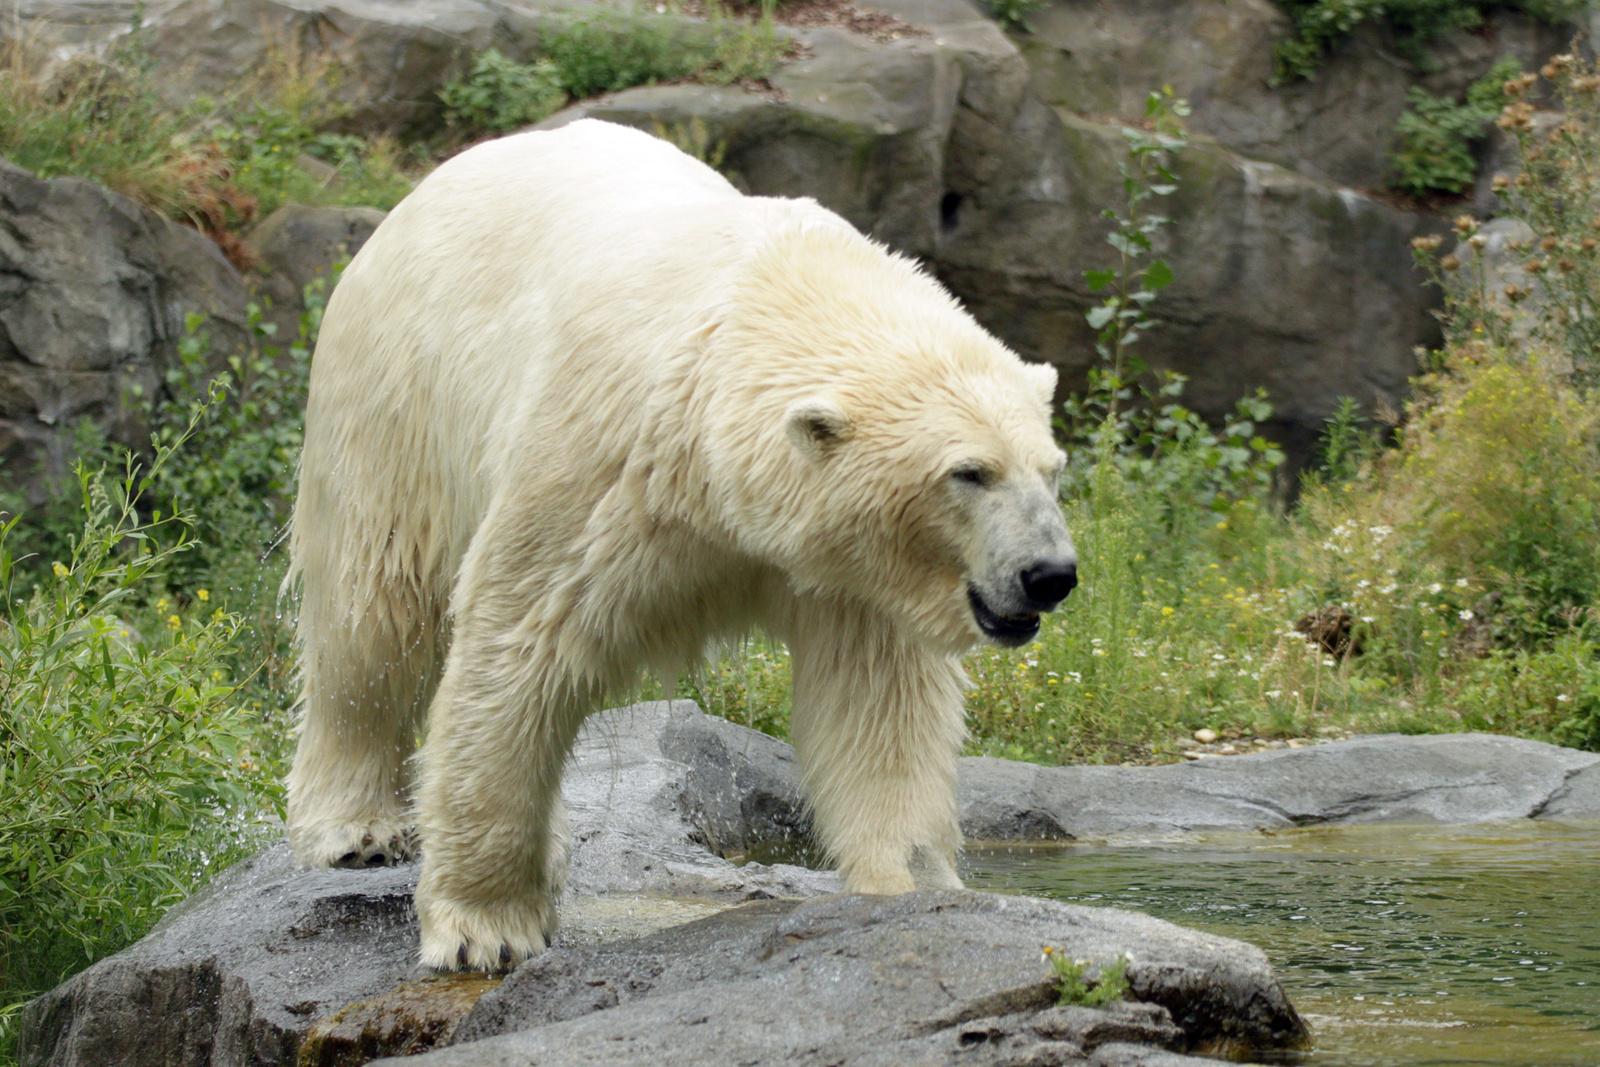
(379, 843)
(493, 939)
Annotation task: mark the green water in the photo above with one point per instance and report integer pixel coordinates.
(1400, 946)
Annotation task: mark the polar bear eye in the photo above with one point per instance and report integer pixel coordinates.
(973, 474)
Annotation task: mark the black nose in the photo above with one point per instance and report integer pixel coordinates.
(1048, 582)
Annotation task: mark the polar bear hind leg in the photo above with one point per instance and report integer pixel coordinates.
(369, 662)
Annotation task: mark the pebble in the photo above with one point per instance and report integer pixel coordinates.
(1205, 735)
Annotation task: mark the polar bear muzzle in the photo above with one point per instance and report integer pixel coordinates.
(1045, 584)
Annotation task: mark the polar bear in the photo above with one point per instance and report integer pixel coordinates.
(580, 408)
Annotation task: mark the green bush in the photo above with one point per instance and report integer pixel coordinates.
(127, 769)
(609, 53)
(500, 95)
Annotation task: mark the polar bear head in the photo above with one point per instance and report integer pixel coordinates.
(902, 455)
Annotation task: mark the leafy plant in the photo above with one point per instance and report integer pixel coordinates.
(1121, 316)
(1436, 136)
(127, 770)
(1348, 443)
(1557, 194)
(500, 95)
(1075, 985)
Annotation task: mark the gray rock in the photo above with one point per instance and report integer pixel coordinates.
(235, 974)
(297, 245)
(637, 807)
(742, 787)
(1102, 57)
(924, 978)
(94, 291)
(391, 55)
(1578, 800)
(1449, 778)
(238, 974)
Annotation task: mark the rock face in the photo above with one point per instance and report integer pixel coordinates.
(1102, 57)
(924, 978)
(265, 955)
(990, 158)
(297, 245)
(94, 290)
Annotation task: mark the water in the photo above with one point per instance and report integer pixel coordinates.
(1401, 946)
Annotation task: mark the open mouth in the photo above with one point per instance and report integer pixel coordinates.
(1000, 629)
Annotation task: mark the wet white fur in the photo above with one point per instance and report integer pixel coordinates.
(580, 408)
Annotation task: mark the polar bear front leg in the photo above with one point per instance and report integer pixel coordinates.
(494, 832)
(877, 726)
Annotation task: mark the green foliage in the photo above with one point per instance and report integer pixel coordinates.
(1436, 136)
(609, 52)
(1168, 452)
(749, 685)
(1496, 481)
(1348, 443)
(500, 95)
(1074, 984)
(127, 769)
(1320, 24)
(243, 426)
(1121, 316)
(1557, 194)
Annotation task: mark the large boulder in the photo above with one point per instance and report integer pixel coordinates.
(1282, 282)
(239, 973)
(298, 245)
(269, 964)
(94, 294)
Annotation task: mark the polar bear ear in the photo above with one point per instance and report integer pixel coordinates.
(816, 425)
(1042, 379)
